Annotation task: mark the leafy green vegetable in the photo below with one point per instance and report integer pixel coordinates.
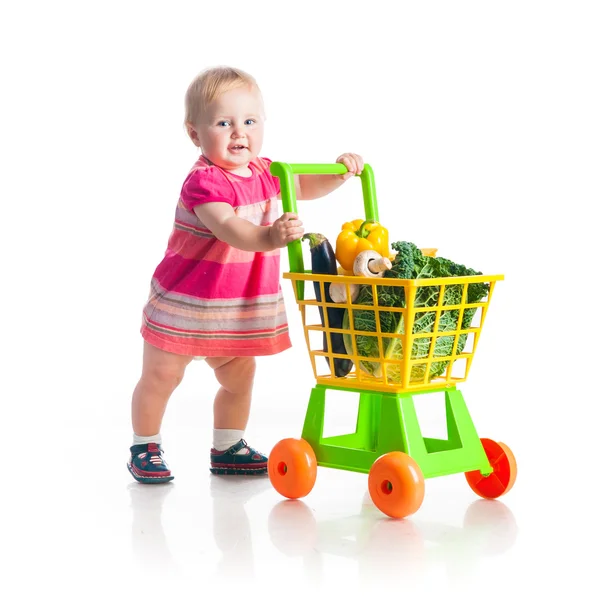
(410, 263)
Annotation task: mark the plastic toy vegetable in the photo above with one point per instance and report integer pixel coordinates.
(357, 236)
(324, 263)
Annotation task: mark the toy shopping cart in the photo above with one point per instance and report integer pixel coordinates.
(387, 442)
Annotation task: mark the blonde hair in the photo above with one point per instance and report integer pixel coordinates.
(210, 84)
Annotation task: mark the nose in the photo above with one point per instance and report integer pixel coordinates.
(237, 131)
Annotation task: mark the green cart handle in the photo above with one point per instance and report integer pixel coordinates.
(286, 173)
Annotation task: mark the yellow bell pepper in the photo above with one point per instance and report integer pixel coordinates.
(359, 235)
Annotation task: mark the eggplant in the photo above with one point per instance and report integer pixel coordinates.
(324, 263)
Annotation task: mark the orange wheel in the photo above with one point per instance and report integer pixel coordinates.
(502, 478)
(293, 467)
(396, 485)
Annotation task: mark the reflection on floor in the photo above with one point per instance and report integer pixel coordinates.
(374, 543)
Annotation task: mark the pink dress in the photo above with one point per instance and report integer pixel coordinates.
(208, 298)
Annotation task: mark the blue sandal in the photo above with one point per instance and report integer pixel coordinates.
(229, 462)
(147, 464)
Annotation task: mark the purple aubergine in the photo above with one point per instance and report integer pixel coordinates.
(324, 263)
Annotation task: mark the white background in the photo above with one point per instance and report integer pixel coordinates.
(481, 122)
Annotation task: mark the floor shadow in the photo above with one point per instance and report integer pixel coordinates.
(148, 539)
(380, 546)
(376, 545)
(231, 526)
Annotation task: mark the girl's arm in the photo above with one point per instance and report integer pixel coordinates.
(309, 187)
(222, 221)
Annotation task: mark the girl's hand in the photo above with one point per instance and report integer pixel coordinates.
(286, 229)
(353, 162)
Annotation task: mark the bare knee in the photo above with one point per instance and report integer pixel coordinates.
(164, 376)
(163, 370)
(237, 375)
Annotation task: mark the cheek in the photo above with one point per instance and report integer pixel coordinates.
(217, 138)
(257, 136)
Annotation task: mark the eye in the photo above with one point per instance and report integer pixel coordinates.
(223, 123)
(249, 122)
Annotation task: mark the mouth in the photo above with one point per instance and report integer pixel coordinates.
(237, 148)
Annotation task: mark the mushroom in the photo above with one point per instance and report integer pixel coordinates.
(338, 292)
(369, 263)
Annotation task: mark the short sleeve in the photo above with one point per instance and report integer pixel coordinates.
(205, 185)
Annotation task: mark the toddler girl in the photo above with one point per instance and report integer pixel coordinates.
(216, 294)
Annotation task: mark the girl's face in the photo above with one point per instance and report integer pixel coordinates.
(232, 134)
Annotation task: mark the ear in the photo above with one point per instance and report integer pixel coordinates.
(191, 130)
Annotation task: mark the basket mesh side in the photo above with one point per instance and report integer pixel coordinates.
(436, 321)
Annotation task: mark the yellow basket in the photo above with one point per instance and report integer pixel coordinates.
(441, 355)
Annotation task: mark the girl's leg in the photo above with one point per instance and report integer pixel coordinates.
(162, 372)
(232, 402)
(231, 412)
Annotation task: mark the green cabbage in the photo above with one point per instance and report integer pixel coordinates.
(410, 263)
